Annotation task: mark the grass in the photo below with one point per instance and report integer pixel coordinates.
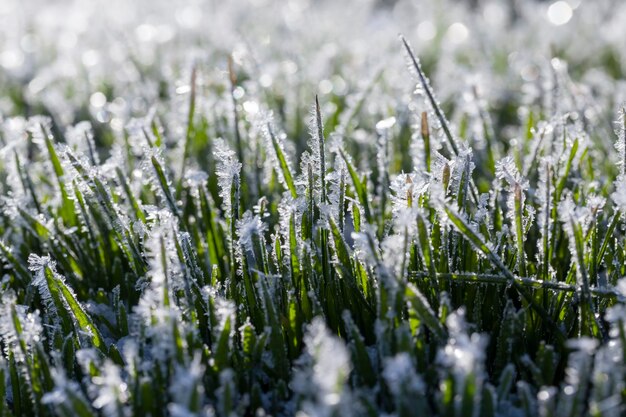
(230, 260)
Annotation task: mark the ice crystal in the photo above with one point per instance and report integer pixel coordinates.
(323, 374)
(110, 391)
(228, 174)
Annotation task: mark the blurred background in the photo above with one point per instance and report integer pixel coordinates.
(111, 60)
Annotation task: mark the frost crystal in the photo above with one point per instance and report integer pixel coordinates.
(248, 227)
(400, 376)
(620, 144)
(274, 143)
(228, 174)
(38, 264)
(30, 333)
(463, 357)
(110, 390)
(323, 373)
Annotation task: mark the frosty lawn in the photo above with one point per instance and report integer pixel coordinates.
(270, 213)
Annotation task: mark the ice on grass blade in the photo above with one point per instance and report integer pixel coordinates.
(97, 209)
(14, 154)
(422, 144)
(290, 214)
(317, 148)
(249, 228)
(187, 390)
(61, 301)
(155, 168)
(520, 215)
(141, 133)
(540, 135)
(619, 195)
(409, 230)
(336, 198)
(360, 186)
(572, 397)
(575, 220)
(464, 354)
(415, 65)
(544, 196)
(190, 119)
(228, 173)
(620, 144)
(366, 246)
(606, 381)
(80, 138)
(465, 227)
(367, 249)
(109, 391)
(507, 170)
(406, 386)
(66, 397)
(20, 330)
(468, 231)
(441, 168)
(40, 130)
(407, 189)
(462, 359)
(39, 127)
(395, 251)
(462, 167)
(382, 162)
(20, 335)
(159, 308)
(321, 376)
(225, 311)
(608, 368)
(483, 213)
(400, 376)
(196, 179)
(275, 147)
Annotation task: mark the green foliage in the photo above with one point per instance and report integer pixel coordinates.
(190, 278)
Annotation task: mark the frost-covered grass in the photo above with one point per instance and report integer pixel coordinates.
(257, 208)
